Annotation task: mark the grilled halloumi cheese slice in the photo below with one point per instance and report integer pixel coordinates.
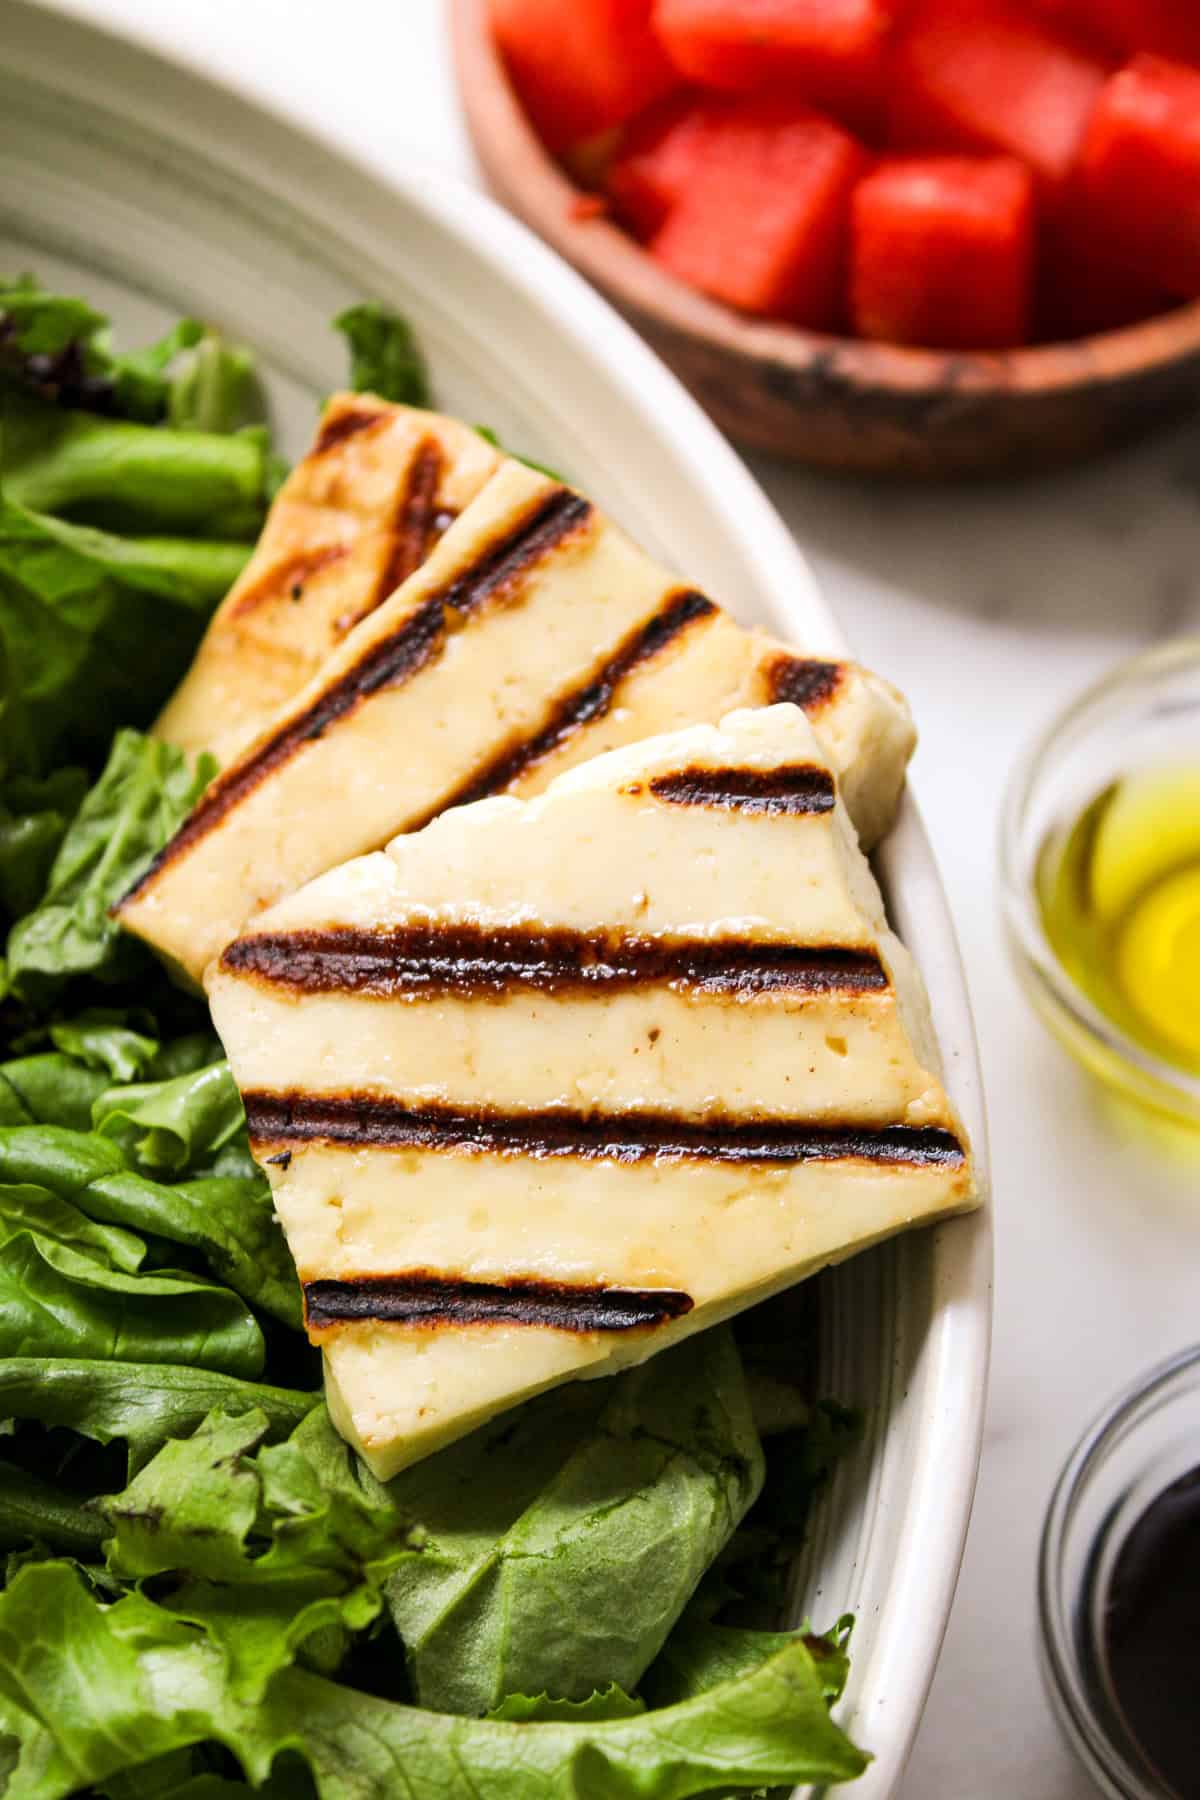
(534, 635)
(553, 1083)
(355, 517)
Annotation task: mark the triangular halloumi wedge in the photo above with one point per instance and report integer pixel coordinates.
(534, 635)
(552, 1083)
(355, 517)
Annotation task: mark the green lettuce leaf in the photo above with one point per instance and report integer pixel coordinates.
(228, 1219)
(144, 481)
(146, 791)
(56, 1300)
(36, 323)
(173, 1125)
(95, 630)
(50, 1089)
(102, 1040)
(699, 1656)
(277, 1547)
(36, 1209)
(59, 346)
(385, 358)
(87, 1690)
(34, 816)
(529, 1709)
(141, 1405)
(563, 1540)
(215, 388)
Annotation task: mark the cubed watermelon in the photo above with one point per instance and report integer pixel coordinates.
(968, 75)
(581, 66)
(1081, 290)
(829, 52)
(763, 226)
(1139, 172)
(1168, 27)
(661, 155)
(942, 252)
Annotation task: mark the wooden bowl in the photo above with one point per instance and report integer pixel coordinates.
(841, 403)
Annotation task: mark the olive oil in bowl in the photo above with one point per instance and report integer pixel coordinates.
(1119, 896)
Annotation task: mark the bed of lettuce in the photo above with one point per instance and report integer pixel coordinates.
(204, 1592)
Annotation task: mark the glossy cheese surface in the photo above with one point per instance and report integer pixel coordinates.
(550, 1084)
(380, 486)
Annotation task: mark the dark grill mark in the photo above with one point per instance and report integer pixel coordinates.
(428, 961)
(347, 424)
(371, 1121)
(805, 683)
(584, 705)
(415, 526)
(789, 788)
(556, 516)
(387, 662)
(425, 1298)
(286, 579)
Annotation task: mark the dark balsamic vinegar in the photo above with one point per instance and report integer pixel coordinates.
(1152, 1635)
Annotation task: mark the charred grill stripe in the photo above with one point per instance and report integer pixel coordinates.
(287, 578)
(366, 1121)
(802, 680)
(388, 662)
(414, 527)
(347, 424)
(425, 1298)
(591, 701)
(429, 961)
(789, 788)
(556, 516)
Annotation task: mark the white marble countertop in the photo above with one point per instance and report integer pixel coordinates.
(990, 607)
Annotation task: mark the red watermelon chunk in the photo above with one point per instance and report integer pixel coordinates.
(968, 75)
(1168, 27)
(581, 66)
(662, 154)
(1138, 177)
(830, 52)
(942, 252)
(763, 227)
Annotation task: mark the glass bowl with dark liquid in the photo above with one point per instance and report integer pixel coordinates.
(1119, 1590)
(1100, 875)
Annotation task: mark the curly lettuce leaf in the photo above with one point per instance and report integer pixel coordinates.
(87, 1690)
(229, 1220)
(102, 1039)
(145, 792)
(385, 358)
(60, 347)
(142, 1405)
(173, 1125)
(562, 1541)
(276, 1548)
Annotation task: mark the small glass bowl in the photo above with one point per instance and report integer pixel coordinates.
(1148, 1438)
(1146, 711)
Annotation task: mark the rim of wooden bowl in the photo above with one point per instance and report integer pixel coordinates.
(527, 178)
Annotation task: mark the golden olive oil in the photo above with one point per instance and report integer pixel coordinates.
(1119, 892)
